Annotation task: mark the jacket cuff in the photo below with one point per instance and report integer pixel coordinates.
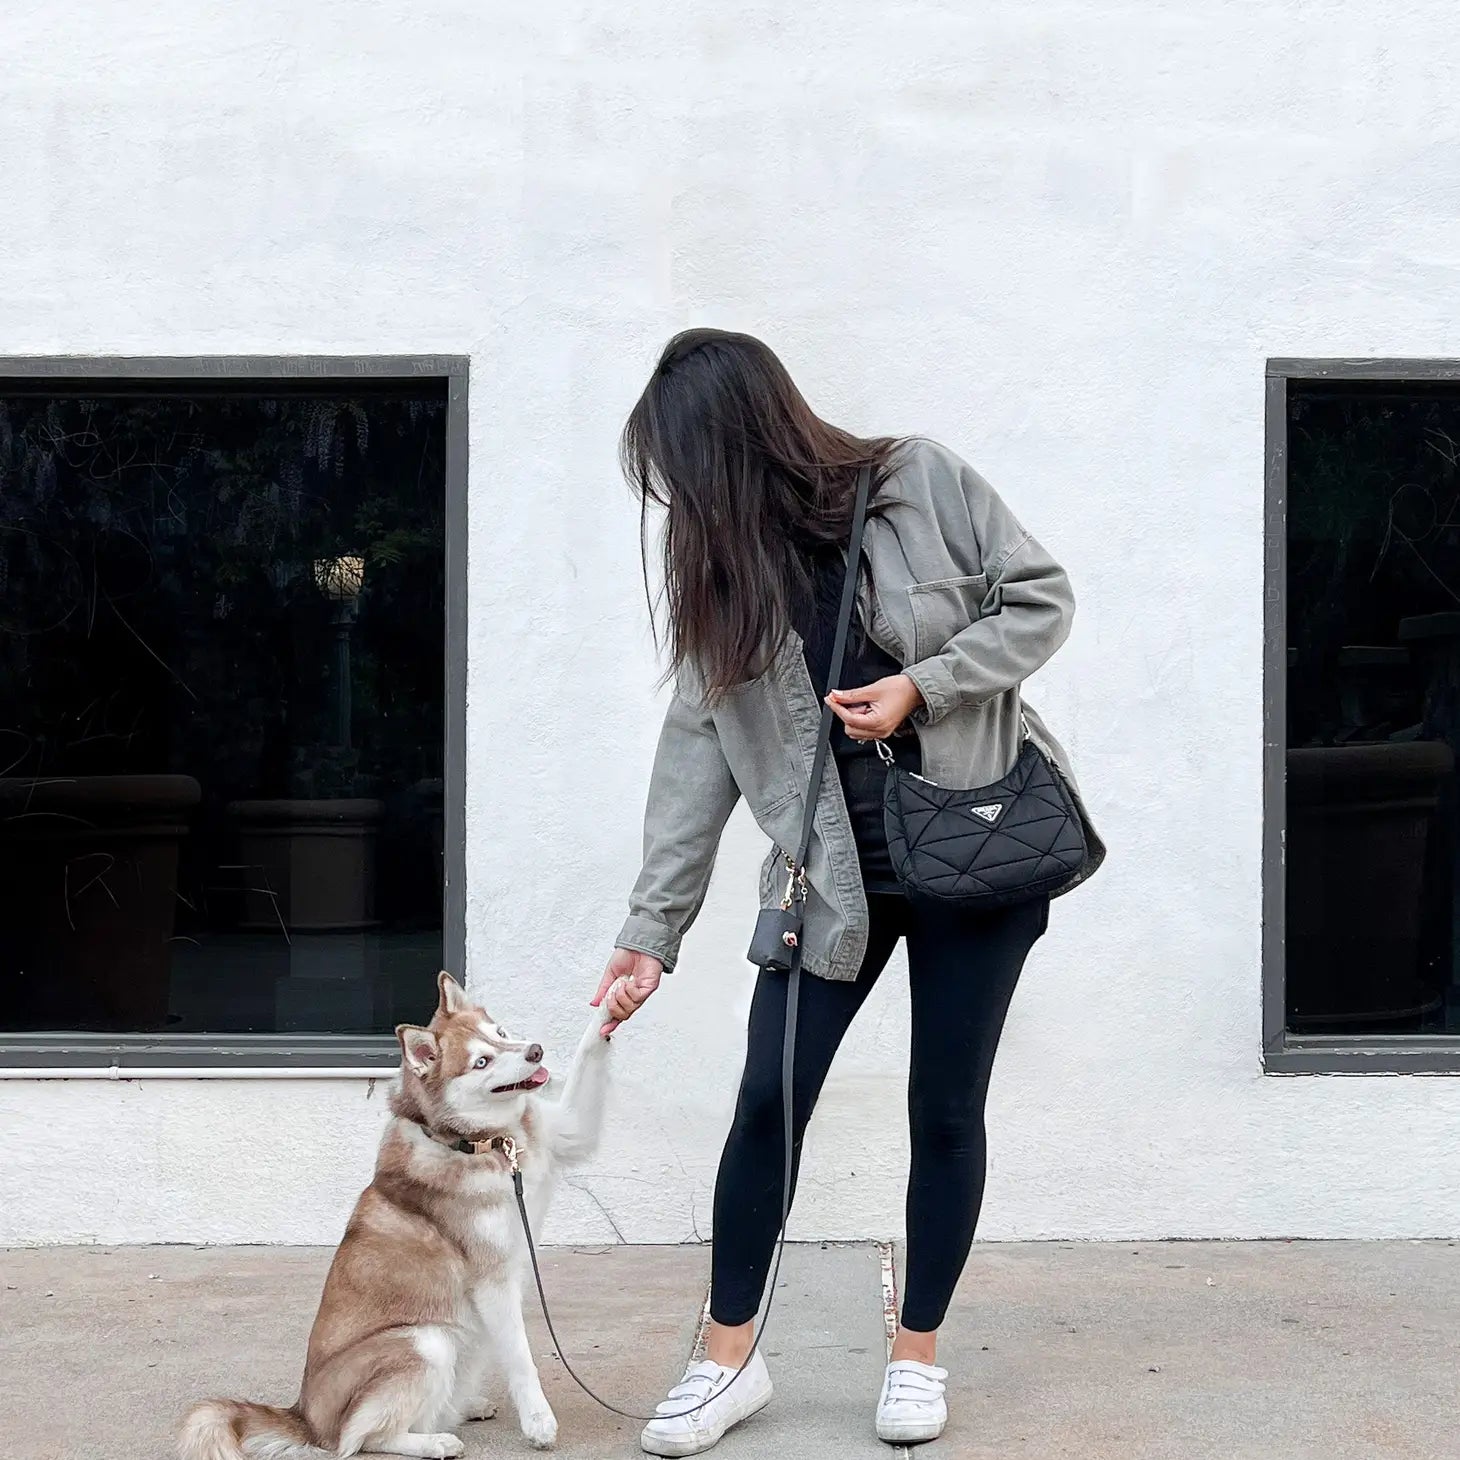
(935, 683)
(648, 935)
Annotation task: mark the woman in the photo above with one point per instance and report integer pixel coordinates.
(957, 605)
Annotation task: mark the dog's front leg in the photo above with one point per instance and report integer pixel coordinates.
(578, 1121)
(501, 1311)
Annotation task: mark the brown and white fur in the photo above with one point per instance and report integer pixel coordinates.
(423, 1302)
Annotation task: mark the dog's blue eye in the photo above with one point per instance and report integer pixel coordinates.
(483, 1060)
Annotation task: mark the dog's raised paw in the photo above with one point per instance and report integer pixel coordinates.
(540, 1429)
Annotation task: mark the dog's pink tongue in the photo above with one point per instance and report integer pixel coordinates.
(538, 1077)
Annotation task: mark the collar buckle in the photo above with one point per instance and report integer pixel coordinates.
(466, 1146)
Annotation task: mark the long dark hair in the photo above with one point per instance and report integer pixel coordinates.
(753, 481)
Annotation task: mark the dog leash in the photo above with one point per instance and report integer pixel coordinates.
(796, 891)
(788, 1055)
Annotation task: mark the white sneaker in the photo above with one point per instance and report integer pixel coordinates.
(912, 1407)
(675, 1433)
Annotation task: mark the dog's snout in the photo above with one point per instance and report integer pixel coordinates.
(533, 1054)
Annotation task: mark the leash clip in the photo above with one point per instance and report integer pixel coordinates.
(509, 1150)
(795, 885)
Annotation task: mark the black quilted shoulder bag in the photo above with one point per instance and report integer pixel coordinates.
(1015, 840)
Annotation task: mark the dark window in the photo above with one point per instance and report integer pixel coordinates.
(222, 655)
(1373, 708)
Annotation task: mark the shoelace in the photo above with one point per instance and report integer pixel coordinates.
(687, 1389)
(913, 1385)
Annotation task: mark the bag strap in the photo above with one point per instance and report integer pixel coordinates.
(834, 673)
(793, 989)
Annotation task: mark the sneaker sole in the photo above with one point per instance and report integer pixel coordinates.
(692, 1444)
(909, 1432)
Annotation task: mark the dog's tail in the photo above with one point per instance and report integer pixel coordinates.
(231, 1429)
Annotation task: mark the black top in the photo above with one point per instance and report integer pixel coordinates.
(861, 771)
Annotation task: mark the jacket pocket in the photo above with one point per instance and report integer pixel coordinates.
(944, 608)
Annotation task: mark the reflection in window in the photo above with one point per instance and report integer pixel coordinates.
(222, 631)
(1373, 876)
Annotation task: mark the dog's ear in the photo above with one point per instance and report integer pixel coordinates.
(453, 996)
(418, 1047)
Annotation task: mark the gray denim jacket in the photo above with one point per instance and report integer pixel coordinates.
(969, 604)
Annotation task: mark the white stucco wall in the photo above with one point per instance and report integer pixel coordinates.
(1061, 237)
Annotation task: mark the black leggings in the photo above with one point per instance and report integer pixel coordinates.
(962, 968)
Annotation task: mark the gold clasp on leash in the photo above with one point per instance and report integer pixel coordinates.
(509, 1150)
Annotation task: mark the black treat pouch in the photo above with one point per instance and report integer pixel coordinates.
(777, 935)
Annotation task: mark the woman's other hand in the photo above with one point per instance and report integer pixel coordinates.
(876, 710)
(628, 980)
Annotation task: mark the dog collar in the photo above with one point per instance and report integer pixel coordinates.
(505, 1144)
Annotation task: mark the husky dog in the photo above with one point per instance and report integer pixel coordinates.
(423, 1302)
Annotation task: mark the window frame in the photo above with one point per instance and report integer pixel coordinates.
(1284, 1053)
(322, 1055)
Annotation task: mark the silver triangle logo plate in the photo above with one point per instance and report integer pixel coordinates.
(989, 814)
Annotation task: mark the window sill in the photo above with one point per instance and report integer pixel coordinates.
(1375, 1055)
(197, 1056)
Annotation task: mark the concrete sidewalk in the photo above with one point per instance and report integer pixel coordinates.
(1159, 1351)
